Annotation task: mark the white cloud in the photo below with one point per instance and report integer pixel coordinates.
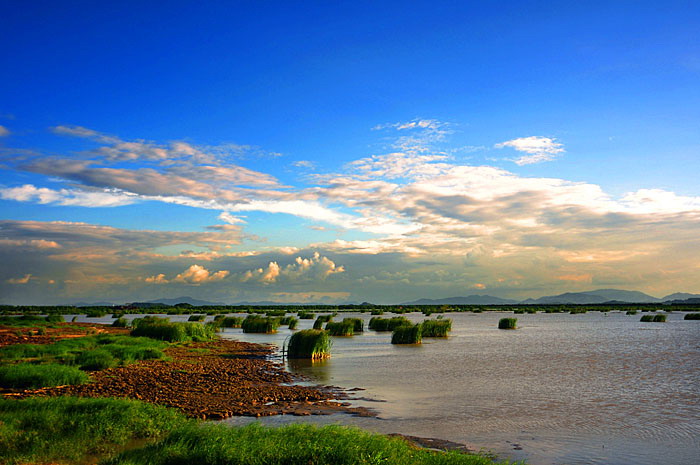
(538, 149)
(197, 274)
(66, 197)
(314, 268)
(307, 164)
(4, 131)
(229, 218)
(23, 280)
(157, 279)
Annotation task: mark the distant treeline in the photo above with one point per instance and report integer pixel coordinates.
(185, 309)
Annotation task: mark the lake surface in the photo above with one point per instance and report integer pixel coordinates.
(592, 388)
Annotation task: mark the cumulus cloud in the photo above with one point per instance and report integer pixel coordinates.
(538, 149)
(157, 279)
(197, 274)
(23, 280)
(313, 268)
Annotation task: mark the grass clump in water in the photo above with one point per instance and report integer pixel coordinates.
(340, 328)
(313, 344)
(120, 323)
(407, 334)
(258, 324)
(33, 376)
(631, 312)
(290, 321)
(196, 318)
(358, 324)
(436, 328)
(660, 318)
(306, 315)
(69, 429)
(692, 316)
(294, 444)
(230, 321)
(507, 323)
(318, 324)
(387, 324)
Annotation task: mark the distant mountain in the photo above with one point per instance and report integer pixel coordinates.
(680, 296)
(94, 304)
(182, 300)
(468, 300)
(693, 300)
(600, 296)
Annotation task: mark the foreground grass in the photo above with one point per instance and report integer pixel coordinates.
(296, 444)
(65, 429)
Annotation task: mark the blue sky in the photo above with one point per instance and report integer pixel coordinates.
(349, 151)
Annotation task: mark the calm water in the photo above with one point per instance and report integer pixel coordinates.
(562, 389)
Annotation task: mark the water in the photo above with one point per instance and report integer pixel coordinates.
(563, 389)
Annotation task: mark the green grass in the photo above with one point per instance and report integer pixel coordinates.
(318, 324)
(173, 332)
(309, 343)
(631, 312)
(358, 324)
(120, 323)
(68, 429)
(295, 444)
(230, 321)
(376, 312)
(33, 376)
(196, 318)
(507, 323)
(436, 328)
(407, 334)
(387, 324)
(306, 315)
(340, 328)
(30, 320)
(258, 324)
(577, 311)
(692, 316)
(290, 321)
(661, 318)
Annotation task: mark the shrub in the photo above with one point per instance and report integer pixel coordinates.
(340, 328)
(407, 334)
(358, 324)
(692, 316)
(55, 319)
(120, 323)
(309, 343)
(95, 313)
(507, 323)
(436, 328)
(28, 375)
(387, 324)
(257, 324)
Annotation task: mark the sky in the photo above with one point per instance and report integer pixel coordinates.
(332, 152)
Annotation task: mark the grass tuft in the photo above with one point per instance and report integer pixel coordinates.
(407, 334)
(507, 323)
(258, 324)
(32, 376)
(309, 343)
(692, 316)
(387, 324)
(436, 328)
(341, 328)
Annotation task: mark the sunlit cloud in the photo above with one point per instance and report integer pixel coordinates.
(538, 149)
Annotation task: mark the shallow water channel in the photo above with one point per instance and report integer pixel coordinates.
(569, 389)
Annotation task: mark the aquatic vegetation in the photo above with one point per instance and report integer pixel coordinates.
(387, 324)
(519, 311)
(358, 324)
(376, 312)
(196, 318)
(70, 429)
(96, 313)
(577, 311)
(293, 322)
(173, 332)
(656, 318)
(32, 376)
(258, 324)
(275, 313)
(309, 343)
(407, 334)
(318, 324)
(436, 328)
(692, 316)
(230, 321)
(631, 312)
(507, 323)
(341, 328)
(306, 315)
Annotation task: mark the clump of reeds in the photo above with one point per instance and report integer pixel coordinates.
(358, 324)
(387, 324)
(661, 318)
(318, 324)
(507, 323)
(576, 311)
(309, 343)
(230, 321)
(692, 316)
(257, 324)
(306, 315)
(275, 313)
(631, 312)
(519, 311)
(407, 334)
(196, 318)
(647, 318)
(340, 328)
(55, 318)
(376, 312)
(436, 328)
